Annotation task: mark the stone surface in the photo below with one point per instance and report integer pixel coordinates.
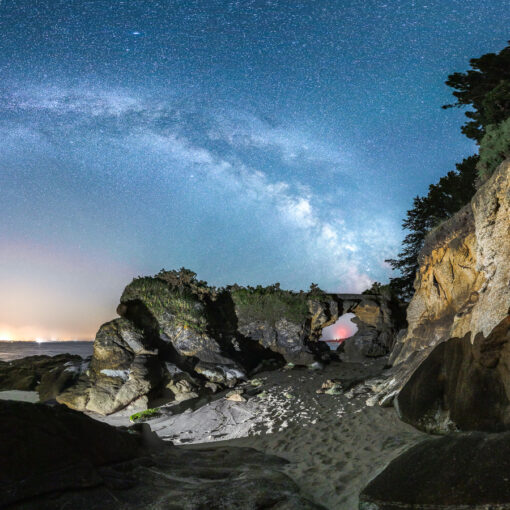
(122, 370)
(46, 449)
(461, 386)
(48, 375)
(458, 472)
(462, 286)
(53, 457)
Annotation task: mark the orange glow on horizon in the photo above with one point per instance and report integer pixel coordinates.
(31, 334)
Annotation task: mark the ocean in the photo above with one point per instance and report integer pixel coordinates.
(16, 350)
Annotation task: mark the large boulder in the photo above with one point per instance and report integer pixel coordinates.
(461, 386)
(459, 472)
(278, 320)
(48, 375)
(124, 369)
(46, 449)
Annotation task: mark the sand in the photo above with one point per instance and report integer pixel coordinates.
(335, 444)
(22, 396)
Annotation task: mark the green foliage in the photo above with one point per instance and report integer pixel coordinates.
(270, 303)
(167, 301)
(444, 199)
(315, 290)
(145, 415)
(485, 89)
(378, 289)
(494, 148)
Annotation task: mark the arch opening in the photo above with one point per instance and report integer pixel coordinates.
(335, 334)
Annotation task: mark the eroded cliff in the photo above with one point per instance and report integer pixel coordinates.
(462, 286)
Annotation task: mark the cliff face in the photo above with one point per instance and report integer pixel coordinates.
(462, 287)
(453, 362)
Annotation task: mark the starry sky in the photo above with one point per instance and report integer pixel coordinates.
(252, 141)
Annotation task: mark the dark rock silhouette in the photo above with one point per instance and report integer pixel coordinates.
(459, 472)
(53, 457)
(461, 386)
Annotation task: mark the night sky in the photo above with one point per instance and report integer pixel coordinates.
(251, 141)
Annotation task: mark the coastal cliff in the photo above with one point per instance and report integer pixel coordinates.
(462, 296)
(462, 286)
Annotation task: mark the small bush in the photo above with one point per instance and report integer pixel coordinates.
(270, 303)
(145, 415)
(494, 148)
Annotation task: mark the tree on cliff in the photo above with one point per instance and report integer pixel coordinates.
(485, 88)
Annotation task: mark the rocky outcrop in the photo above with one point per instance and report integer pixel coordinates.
(459, 472)
(123, 370)
(376, 328)
(48, 375)
(461, 385)
(462, 286)
(53, 457)
(177, 336)
(373, 316)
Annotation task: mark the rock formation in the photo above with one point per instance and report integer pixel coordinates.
(462, 286)
(48, 375)
(461, 385)
(461, 472)
(176, 335)
(53, 457)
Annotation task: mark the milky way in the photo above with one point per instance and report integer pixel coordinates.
(252, 141)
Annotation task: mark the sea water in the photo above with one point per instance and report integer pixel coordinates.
(16, 350)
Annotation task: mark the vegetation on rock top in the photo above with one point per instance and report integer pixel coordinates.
(168, 301)
(270, 304)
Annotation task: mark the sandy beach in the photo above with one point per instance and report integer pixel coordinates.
(335, 444)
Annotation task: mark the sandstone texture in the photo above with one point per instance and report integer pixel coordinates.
(461, 385)
(462, 288)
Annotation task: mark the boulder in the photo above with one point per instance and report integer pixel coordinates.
(461, 386)
(457, 472)
(46, 449)
(48, 375)
(123, 369)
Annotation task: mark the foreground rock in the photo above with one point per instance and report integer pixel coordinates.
(46, 449)
(123, 369)
(461, 386)
(48, 375)
(460, 472)
(178, 338)
(53, 457)
(462, 284)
